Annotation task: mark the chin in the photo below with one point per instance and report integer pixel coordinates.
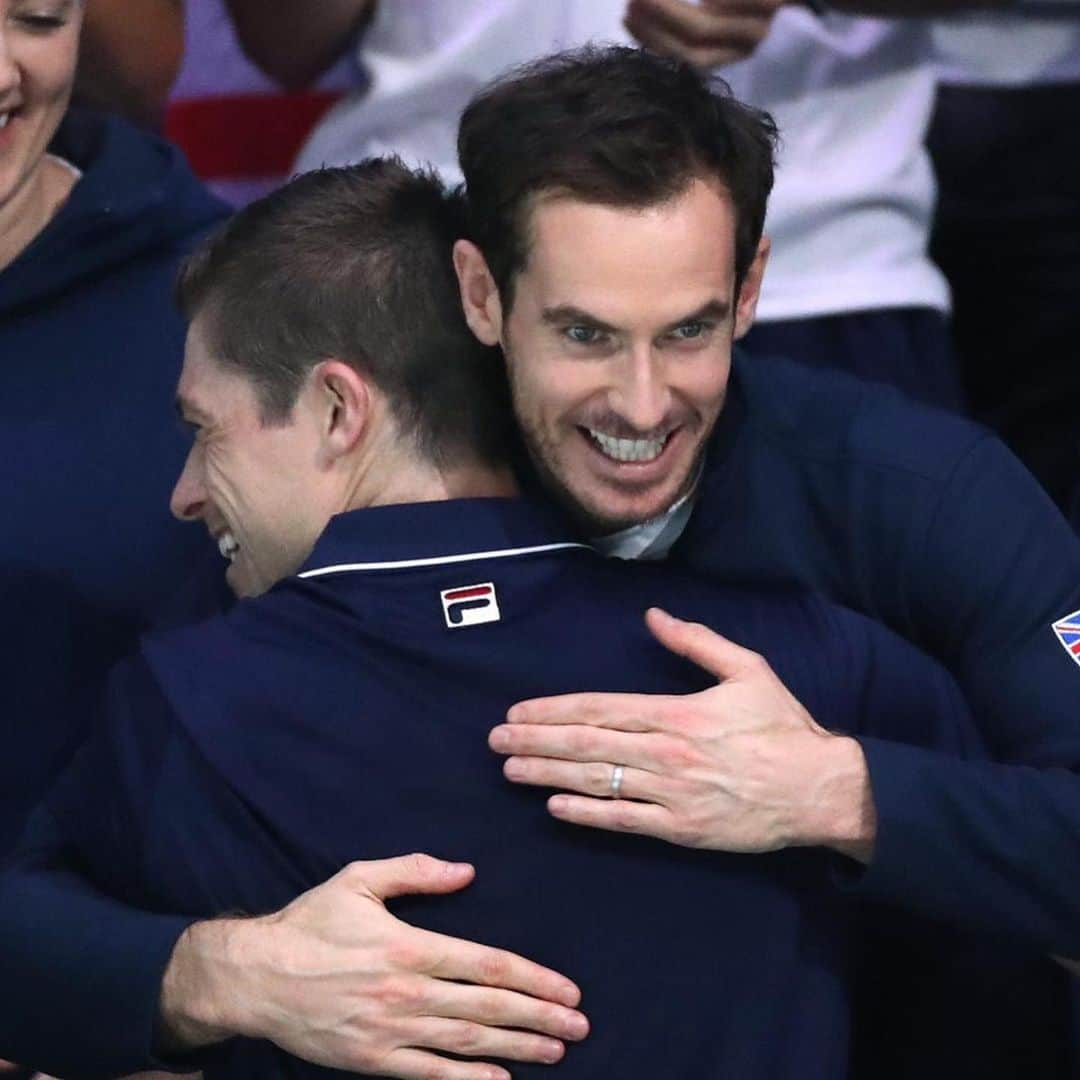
(605, 515)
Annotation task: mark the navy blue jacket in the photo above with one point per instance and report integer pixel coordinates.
(928, 524)
(916, 518)
(90, 352)
(343, 716)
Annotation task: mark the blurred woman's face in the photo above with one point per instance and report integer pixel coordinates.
(39, 46)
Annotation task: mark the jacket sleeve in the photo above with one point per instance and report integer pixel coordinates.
(985, 838)
(82, 970)
(995, 568)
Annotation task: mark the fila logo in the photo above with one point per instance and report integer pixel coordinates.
(470, 605)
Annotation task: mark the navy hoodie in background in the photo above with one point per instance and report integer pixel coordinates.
(90, 352)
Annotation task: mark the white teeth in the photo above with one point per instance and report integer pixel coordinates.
(628, 449)
(4, 118)
(228, 546)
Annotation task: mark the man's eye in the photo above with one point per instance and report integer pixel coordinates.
(583, 335)
(689, 331)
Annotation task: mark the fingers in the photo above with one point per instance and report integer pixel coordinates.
(614, 815)
(701, 646)
(477, 1040)
(592, 778)
(386, 878)
(504, 1008)
(465, 961)
(413, 1064)
(701, 36)
(575, 742)
(619, 712)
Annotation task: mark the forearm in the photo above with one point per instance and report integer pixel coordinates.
(295, 41)
(81, 976)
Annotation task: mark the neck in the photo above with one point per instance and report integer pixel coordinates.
(32, 207)
(391, 475)
(439, 485)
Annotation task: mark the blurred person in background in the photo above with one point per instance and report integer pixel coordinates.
(129, 57)
(240, 129)
(1006, 146)
(94, 217)
(176, 66)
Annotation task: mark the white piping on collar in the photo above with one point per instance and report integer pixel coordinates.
(445, 560)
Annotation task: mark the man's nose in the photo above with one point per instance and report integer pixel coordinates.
(641, 395)
(189, 495)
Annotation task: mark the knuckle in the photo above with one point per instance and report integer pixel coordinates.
(682, 716)
(351, 874)
(623, 817)
(598, 778)
(465, 1039)
(400, 995)
(494, 967)
(676, 756)
(404, 955)
(436, 1071)
(755, 662)
(419, 863)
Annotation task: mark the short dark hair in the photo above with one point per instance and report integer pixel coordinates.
(356, 264)
(610, 125)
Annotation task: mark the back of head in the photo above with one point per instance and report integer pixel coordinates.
(608, 125)
(354, 264)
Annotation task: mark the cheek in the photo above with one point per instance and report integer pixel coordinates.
(49, 67)
(706, 383)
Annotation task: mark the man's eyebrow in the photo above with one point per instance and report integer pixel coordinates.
(567, 314)
(716, 310)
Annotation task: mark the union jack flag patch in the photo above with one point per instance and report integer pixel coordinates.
(1068, 633)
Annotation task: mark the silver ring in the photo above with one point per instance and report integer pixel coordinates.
(616, 780)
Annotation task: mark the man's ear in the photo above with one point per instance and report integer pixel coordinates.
(479, 293)
(746, 304)
(342, 399)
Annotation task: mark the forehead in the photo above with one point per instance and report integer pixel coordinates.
(621, 263)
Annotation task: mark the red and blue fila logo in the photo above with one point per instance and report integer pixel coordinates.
(470, 605)
(1068, 633)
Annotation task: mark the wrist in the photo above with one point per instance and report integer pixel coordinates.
(202, 992)
(841, 814)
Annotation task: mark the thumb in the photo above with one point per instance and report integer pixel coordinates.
(699, 644)
(408, 874)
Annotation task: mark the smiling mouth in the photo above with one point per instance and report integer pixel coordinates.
(227, 545)
(627, 451)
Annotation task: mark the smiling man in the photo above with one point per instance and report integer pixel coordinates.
(622, 446)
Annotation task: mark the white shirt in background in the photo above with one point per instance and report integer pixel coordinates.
(851, 212)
